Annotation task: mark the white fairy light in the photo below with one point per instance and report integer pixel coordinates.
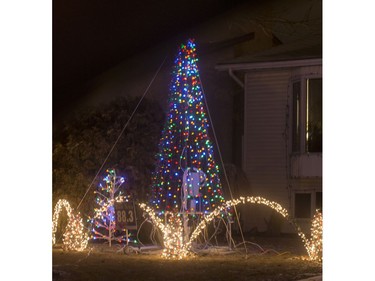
(58, 208)
(314, 245)
(174, 247)
(173, 232)
(74, 238)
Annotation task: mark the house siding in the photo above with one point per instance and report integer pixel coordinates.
(265, 154)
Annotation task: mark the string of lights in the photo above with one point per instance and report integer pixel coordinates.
(74, 238)
(103, 221)
(185, 144)
(172, 231)
(62, 203)
(173, 235)
(314, 245)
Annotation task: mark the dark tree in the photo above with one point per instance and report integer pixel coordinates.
(83, 144)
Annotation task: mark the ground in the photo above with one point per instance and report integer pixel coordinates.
(102, 263)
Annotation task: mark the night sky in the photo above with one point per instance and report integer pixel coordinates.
(90, 37)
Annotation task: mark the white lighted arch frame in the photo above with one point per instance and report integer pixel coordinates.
(174, 247)
(313, 245)
(180, 250)
(74, 237)
(62, 203)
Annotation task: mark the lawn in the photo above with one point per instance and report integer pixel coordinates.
(101, 263)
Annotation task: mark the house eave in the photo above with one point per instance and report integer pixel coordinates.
(268, 64)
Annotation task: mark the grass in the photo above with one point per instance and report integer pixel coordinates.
(99, 266)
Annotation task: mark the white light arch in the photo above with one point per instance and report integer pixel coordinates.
(74, 237)
(313, 245)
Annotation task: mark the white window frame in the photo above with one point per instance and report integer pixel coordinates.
(302, 75)
(312, 193)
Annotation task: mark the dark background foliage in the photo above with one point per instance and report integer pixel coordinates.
(81, 147)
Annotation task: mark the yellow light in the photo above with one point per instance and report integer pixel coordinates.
(314, 245)
(173, 231)
(174, 247)
(74, 238)
(58, 208)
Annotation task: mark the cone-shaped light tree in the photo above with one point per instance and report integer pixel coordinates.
(186, 178)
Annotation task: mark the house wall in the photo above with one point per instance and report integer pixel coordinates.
(265, 158)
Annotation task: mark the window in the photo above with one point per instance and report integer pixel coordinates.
(302, 205)
(306, 202)
(307, 116)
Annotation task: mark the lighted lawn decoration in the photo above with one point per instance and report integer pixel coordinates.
(231, 203)
(104, 222)
(173, 238)
(186, 181)
(74, 237)
(314, 245)
(181, 250)
(175, 247)
(186, 177)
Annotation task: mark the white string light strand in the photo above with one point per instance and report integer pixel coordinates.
(73, 238)
(175, 248)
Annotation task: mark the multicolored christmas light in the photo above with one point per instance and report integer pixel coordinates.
(185, 145)
(104, 222)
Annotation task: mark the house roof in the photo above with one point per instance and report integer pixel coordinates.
(308, 50)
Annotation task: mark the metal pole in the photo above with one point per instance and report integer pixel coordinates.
(184, 203)
(112, 193)
(230, 231)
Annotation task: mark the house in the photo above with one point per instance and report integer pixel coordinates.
(281, 145)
